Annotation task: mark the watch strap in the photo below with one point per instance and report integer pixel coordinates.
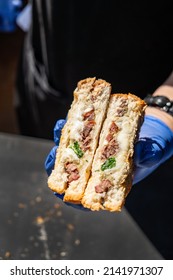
(161, 102)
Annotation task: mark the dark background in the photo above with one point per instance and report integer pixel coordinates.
(128, 44)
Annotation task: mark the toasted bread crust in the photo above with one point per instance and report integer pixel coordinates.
(100, 127)
(125, 114)
(84, 120)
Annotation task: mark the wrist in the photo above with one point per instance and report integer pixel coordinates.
(163, 116)
(164, 90)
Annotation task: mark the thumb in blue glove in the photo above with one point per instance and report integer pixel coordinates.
(50, 160)
(154, 147)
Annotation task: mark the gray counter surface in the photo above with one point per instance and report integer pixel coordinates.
(37, 225)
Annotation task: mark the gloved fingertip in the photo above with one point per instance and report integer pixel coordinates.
(147, 153)
(57, 130)
(77, 206)
(59, 195)
(50, 160)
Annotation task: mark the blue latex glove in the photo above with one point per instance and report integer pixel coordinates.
(154, 147)
(50, 160)
(9, 9)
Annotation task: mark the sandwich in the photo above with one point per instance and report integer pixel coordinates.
(94, 160)
(112, 168)
(79, 139)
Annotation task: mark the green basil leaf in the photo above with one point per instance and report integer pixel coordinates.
(76, 148)
(108, 164)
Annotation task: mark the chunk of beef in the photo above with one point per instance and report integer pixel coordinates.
(103, 186)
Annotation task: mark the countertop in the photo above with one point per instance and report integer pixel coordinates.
(37, 225)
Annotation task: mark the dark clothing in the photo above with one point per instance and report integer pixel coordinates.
(129, 44)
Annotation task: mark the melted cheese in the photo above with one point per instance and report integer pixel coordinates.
(78, 124)
(88, 109)
(70, 155)
(76, 128)
(123, 141)
(124, 145)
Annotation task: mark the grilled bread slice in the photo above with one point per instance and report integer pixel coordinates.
(112, 168)
(79, 139)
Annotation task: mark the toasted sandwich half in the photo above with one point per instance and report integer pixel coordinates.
(112, 168)
(79, 139)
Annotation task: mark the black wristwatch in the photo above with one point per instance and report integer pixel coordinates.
(161, 102)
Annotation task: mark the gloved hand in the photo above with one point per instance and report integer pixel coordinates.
(50, 160)
(154, 147)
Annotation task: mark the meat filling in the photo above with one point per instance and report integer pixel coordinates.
(113, 128)
(112, 147)
(89, 123)
(103, 186)
(70, 167)
(122, 109)
(72, 171)
(87, 129)
(90, 115)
